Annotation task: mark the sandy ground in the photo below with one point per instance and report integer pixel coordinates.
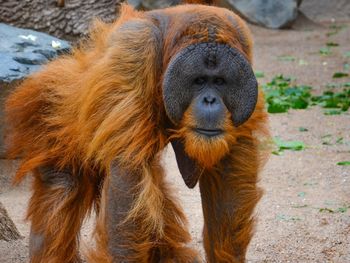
(291, 226)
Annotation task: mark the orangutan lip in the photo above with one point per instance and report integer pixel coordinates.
(209, 132)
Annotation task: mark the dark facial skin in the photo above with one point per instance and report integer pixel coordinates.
(212, 78)
(208, 107)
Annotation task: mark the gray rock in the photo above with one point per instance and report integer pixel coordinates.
(68, 22)
(268, 13)
(152, 4)
(22, 52)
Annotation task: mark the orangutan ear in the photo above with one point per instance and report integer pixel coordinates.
(189, 168)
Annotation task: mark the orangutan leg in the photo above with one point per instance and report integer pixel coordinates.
(143, 222)
(56, 211)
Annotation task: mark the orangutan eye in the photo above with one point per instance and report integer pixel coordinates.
(200, 80)
(219, 81)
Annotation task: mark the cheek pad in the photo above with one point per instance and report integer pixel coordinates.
(241, 95)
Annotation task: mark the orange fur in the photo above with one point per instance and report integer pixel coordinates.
(229, 228)
(206, 151)
(57, 213)
(97, 108)
(209, 151)
(161, 226)
(203, 2)
(102, 105)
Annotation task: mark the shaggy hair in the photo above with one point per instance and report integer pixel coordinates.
(103, 104)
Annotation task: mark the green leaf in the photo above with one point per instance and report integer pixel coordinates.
(344, 163)
(302, 62)
(299, 206)
(347, 54)
(325, 51)
(338, 102)
(277, 108)
(333, 85)
(286, 58)
(335, 29)
(303, 129)
(342, 209)
(325, 209)
(289, 145)
(332, 112)
(259, 74)
(326, 139)
(282, 217)
(301, 194)
(278, 153)
(337, 75)
(332, 44)
(310, 183)
(299, 103)
(340, 140)
(282, 94)
(277, 105)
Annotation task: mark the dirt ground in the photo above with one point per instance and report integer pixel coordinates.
(295, 218)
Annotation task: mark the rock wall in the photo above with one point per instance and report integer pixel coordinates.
(69, 21)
